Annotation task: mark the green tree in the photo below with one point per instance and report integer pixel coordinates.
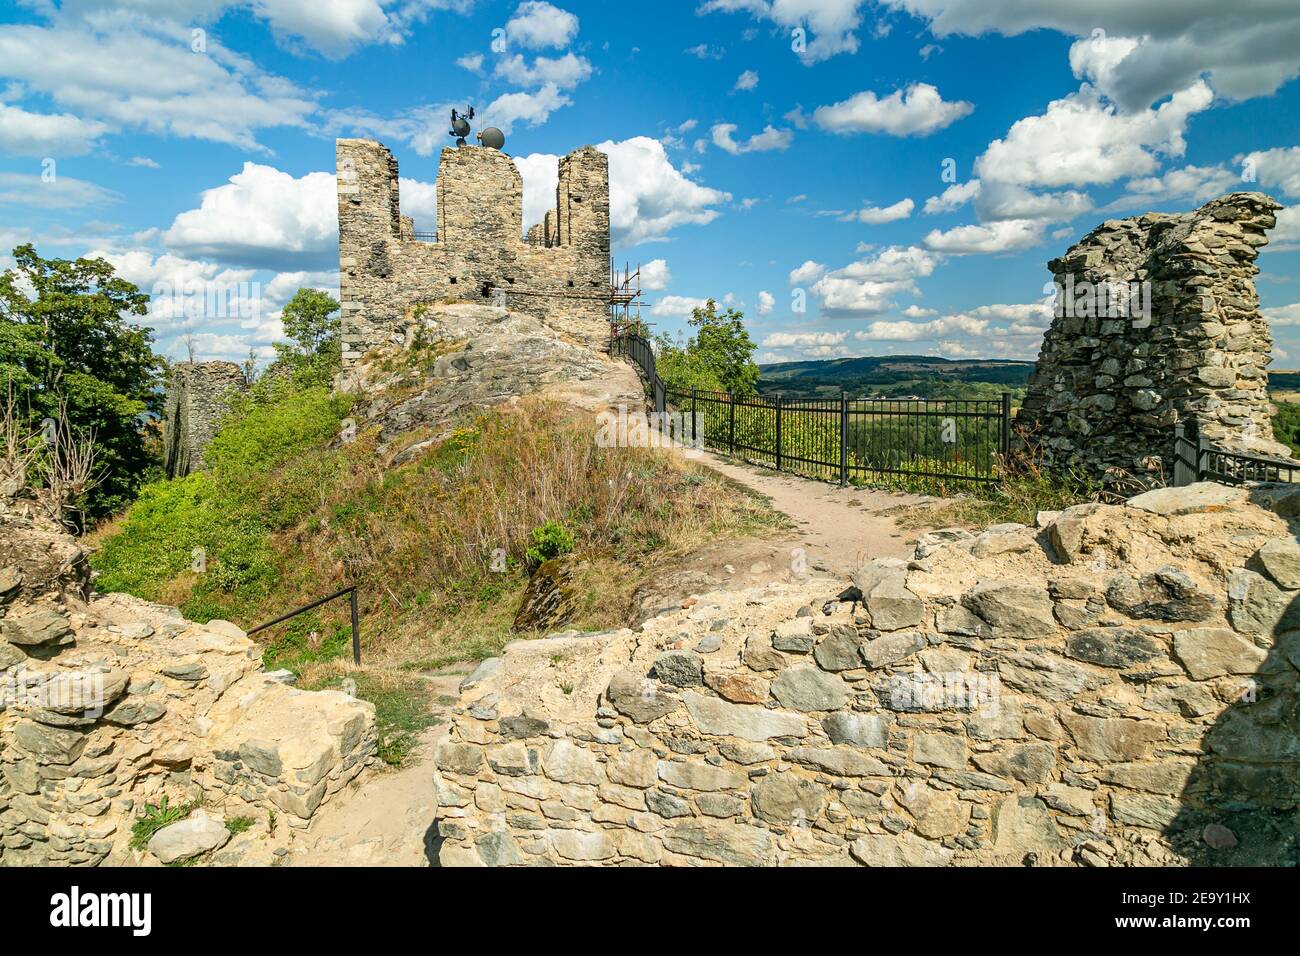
(312, 324)
(719, 356)
(65, 336)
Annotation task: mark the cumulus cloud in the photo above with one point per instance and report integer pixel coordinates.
(787, 340)
(875, 215)
(537, 24)
(871, 285)
(531, 108)
(563, 72)
(1145, 51)
(770, 139)
(678, 306)
(954, 197)
(766, 303)
(918, 110)
(264, 218)
(46, 134)
(655, 275)
(1272, 167)
(1081, 139)
(808, 272)
(1007, 235)
(746, 81)
(648, 196)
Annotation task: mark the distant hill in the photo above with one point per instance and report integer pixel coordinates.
(924, 376)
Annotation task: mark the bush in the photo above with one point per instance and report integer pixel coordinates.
(550, 540)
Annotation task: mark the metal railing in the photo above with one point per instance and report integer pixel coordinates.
(1195, 459)
(837, 439)
(351, 591)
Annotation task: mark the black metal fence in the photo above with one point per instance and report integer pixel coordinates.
(1195, 459)
(844, 440)
(351, 592)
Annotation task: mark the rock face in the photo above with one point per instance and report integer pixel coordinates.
(1112, 382)
(109, 704)
(998, 728)
(558, 274)
(198, 397)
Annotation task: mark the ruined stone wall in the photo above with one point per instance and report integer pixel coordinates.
(558, 273)
(109, 704)
(198, 398)
(1112, 381)
(1112, 687)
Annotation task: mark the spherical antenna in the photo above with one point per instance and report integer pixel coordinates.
(492, 138)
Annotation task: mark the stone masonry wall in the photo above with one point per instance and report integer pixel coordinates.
(109, 704)
(198, 397)
(1108, 389)
(1116, 686)
(558, 273)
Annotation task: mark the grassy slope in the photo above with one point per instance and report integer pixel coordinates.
(287, 513)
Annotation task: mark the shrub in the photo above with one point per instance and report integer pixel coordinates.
(550, 540)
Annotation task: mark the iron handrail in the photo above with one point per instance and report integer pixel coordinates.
(351, 591)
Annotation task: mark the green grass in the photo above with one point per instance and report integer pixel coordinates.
(157, 816)
(238, 825)
(403, 709)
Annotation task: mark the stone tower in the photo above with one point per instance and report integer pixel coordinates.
(559, 272)
(1112, 381)
(198, 397)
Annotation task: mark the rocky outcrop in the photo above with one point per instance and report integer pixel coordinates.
(109, 704)
(455, 360)
(1116, 687)
(1157, 322)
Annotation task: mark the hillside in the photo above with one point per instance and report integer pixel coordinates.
(895, 375)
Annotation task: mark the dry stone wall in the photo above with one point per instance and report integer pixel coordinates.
(1116, 686)
(198, 398)
(109, 704)
(1157, 322)
(558, 273)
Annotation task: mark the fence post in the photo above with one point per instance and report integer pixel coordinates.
(844, 438)
(1006, 423)
(1185, 455)
(778, 431)
(731, 424)
(694, 436)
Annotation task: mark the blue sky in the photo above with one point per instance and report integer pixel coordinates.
(901, 169)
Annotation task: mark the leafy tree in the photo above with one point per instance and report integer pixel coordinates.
(719, 356)
(312, 324)
(65, 338)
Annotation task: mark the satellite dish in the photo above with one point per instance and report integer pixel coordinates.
(492, 138)
(460, 127)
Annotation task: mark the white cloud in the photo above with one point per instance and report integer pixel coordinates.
(916, 312)
(655, 275)
(1197, 183)
(954, 197)
(808, 272)
(563, 72)
(143, 161)
(263, 218)
(1146, 50)
(1083, 140)
(787, 340)
(766, 303)
(46, 134)
(770, 139)
(829, 24)
(1279, 315)
(648, 196)
(679, 306)
(62, 192)
(916, 331)
(997, 201)
(537, 24)
(746, 81)
(875, 215)
(1273, 167)
(471, 61)
(534, 109)
(419, 200)
(127, 74)
(1007, 235)
(917, 110)
(1285, 237)
(869, 286)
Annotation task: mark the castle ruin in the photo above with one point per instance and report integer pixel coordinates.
(558, 272)
(1157, 323)
(198, 398)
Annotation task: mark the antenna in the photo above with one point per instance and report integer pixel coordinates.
(460, 127)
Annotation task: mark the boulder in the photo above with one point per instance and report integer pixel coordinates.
(189, 838)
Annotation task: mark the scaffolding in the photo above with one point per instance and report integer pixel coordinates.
(625, 301)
